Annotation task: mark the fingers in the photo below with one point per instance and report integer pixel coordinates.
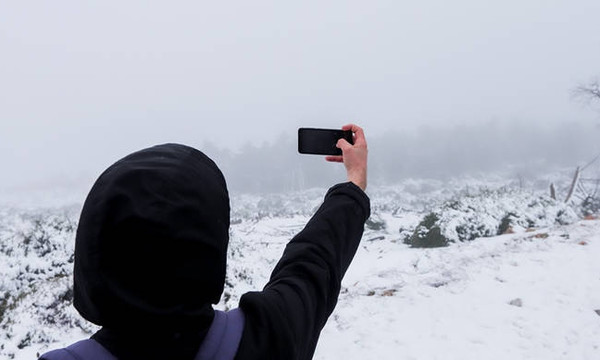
(359, 134)
(343, 144)
(337, 158)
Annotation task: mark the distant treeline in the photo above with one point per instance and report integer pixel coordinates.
(429, 152)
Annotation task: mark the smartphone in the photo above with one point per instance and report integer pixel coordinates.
(321, 141)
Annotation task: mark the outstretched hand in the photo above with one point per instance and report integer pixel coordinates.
(354, 156)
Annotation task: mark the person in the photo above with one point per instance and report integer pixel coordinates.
(150, 260)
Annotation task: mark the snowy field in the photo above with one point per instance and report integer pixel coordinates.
(531, 293)
(523, 296)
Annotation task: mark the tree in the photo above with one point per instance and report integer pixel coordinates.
(589, 92)
(586, 189)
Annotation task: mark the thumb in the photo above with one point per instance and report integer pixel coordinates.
(343, 144)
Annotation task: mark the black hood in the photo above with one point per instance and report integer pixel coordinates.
(151, 244)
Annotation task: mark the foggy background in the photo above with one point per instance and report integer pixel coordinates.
(441, 88)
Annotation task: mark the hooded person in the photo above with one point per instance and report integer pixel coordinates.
(150, 261)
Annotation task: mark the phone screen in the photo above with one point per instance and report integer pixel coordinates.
(321, 141)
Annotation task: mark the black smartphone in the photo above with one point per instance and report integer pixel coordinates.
(321, 141)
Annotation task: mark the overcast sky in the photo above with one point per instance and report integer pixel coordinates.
(83, 83)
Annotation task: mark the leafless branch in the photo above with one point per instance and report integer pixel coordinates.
(552, 191)
(591, 162)
(573, 185)
(589, 92)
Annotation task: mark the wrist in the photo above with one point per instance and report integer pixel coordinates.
(359, 178)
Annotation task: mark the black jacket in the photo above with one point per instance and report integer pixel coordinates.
(150, 259)
(285, 319)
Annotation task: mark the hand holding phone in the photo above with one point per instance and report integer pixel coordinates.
(354, 156)
(350, 145)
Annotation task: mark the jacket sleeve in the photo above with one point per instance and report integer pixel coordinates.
(284, 320)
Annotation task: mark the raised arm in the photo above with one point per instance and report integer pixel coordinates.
(284, 321)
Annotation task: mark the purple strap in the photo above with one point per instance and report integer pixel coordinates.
(88, 349)
(221, 342)
(223, 337)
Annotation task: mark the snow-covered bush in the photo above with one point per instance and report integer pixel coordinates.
(590, 205)
(375, 223)
(428, 233)
(36, 262)
(488, 213)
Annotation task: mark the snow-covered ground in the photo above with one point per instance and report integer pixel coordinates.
(519, 296)
(531, 294)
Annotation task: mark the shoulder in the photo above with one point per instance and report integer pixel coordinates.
(272, 330)
(88, 349)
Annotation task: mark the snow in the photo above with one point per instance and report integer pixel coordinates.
(454, 302)
(531, 294)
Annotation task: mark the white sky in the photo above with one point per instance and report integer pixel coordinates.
(83, 83)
